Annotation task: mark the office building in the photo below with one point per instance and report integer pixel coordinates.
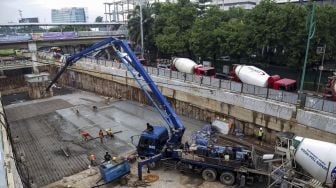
(68, 15)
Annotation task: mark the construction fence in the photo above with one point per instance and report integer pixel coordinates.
(231, 86)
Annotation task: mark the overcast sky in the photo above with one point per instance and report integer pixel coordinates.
(9, 9)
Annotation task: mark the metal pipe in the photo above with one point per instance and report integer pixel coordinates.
(321, 68)
(141, 31)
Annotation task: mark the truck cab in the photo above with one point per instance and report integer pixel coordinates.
(205, 71)
(152, 140)
(285, 84)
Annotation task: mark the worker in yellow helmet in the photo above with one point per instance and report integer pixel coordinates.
(260, 135)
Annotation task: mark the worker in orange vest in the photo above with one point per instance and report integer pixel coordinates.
(92, 158)
(101, 136)
(109, 132)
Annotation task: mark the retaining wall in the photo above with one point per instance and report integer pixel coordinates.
(9, 176)
(205, 103)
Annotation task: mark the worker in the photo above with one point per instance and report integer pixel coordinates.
(260, 135)
(77, 111)
(333, 177)
(92, 158)
(85, 135)
(101, 136)
(186, 146)
(107, 157)
(109, 132)
(150, 128)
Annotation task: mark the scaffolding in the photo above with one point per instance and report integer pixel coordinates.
(118, 11)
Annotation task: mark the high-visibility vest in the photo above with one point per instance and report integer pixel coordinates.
(260, 133)
(92, 157)
(101, 134)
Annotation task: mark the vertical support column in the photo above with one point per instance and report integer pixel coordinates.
(122, 10)
(109, 11)
(127, 9)
(32, 47)
(105, 12)
(117, 13)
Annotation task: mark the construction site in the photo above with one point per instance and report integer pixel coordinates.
(117, 123)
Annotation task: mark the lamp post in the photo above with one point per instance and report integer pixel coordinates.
(311, 23)
(321, 68)
(141, 31)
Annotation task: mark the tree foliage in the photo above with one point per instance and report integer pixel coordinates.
(148, 14)
(172, 26)
(274, 33)
(204, 36)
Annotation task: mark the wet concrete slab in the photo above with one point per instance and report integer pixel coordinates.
(44, 129)
(31, 110)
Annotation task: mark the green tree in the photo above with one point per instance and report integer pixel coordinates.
(203, 39)
(292, 35)
(172, 27)
(263, 26)
(233, 38)
(99, 19)
(325, 31)
(148, 15)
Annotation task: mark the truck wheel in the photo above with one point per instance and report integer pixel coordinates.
(227, 178)
(180, 166)
(209, 174)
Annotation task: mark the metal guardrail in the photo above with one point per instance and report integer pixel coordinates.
(320, 104)
(232, 86)
(266, 93)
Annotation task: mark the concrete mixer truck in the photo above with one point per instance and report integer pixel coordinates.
(189, 66)
(255, 76)
(330, 90)
(317, 158)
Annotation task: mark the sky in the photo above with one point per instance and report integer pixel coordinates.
(9, 9)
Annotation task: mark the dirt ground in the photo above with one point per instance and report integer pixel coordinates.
(167, 178)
